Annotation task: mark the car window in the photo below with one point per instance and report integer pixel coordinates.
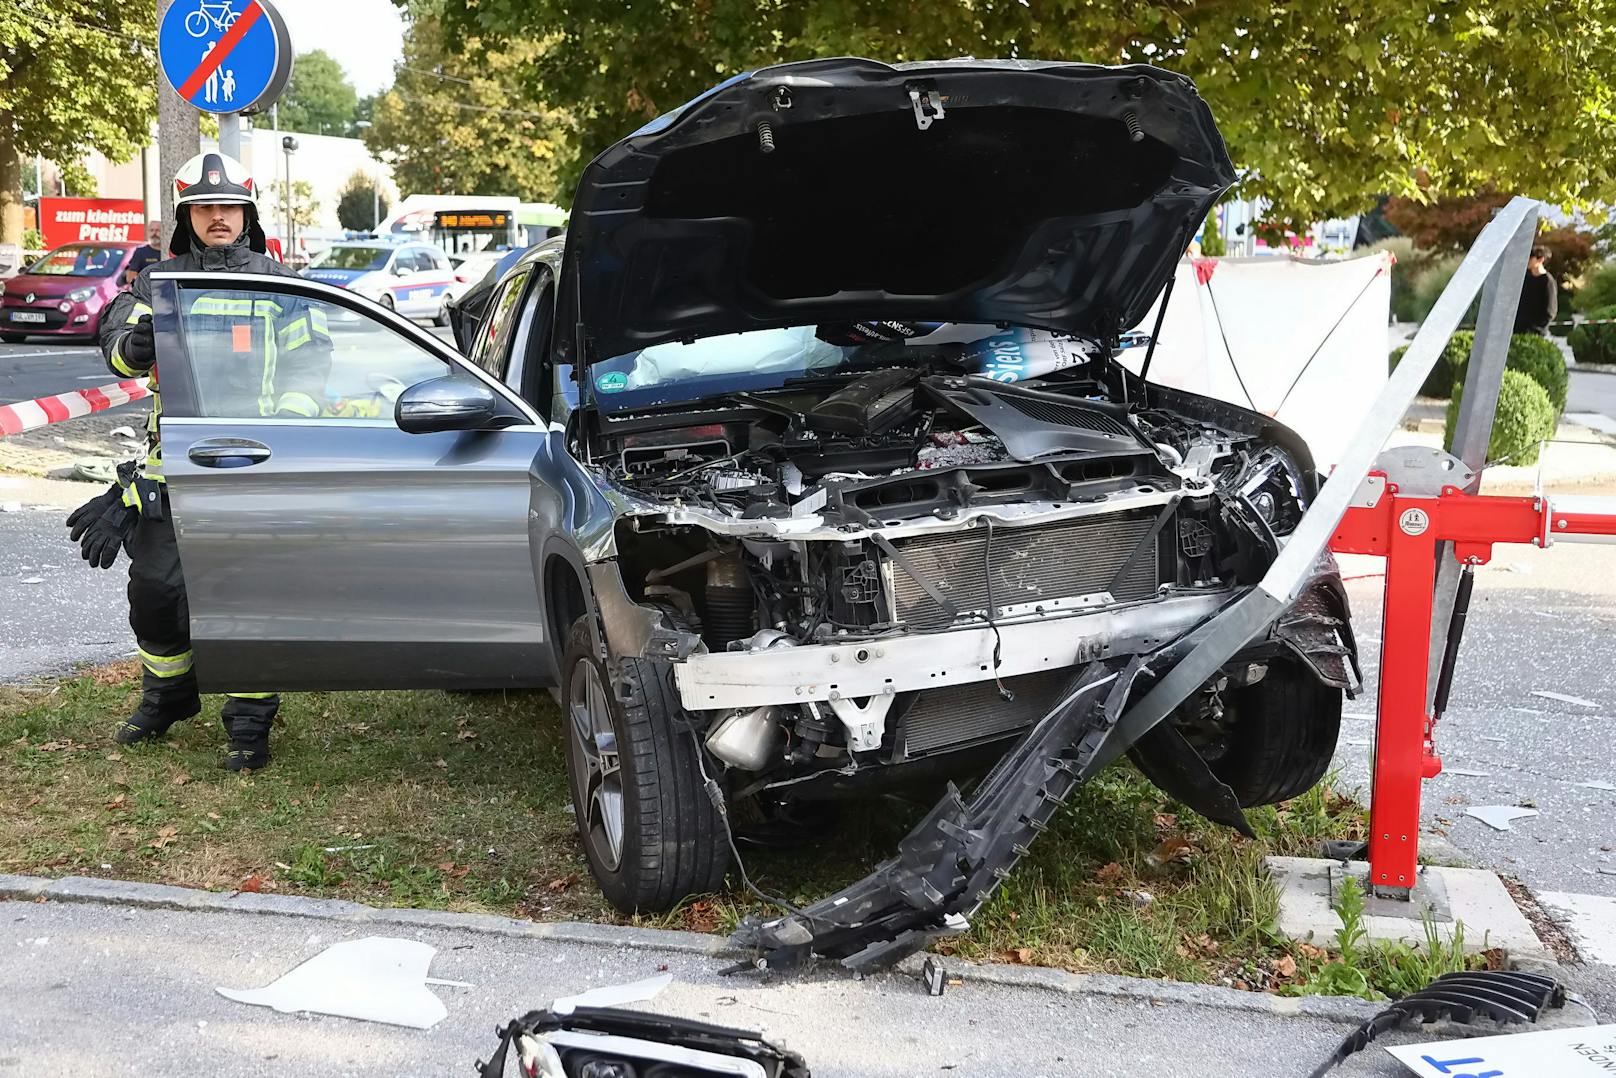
(353, 258)
(493, 350)
(262, 354)
(79, 262)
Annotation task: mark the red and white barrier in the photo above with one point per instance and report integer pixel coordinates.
(26, 415)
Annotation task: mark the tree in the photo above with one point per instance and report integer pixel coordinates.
(75, 76)
(1212, 245)
(1451, 225)
(319, 99)
(458, 121)
(304, 205)
(361, 205)
(1324, 105)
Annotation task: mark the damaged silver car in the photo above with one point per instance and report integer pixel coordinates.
(805, 467)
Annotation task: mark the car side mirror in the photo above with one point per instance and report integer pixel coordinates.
(403, 270)
(452, 402)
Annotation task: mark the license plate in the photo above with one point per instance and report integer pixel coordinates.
(27, 316)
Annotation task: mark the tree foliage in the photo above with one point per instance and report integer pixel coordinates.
(319, 99)
(361, 204)
(1324, 105)
(75, 76)
(461, 119)
(1451, 225)
(305, 208)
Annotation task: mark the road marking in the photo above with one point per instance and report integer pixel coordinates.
(52, 352)
(1590, 921)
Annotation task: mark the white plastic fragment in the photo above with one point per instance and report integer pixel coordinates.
(1466, 772)
(376, 979)
(1563, 698)
(1596, 784)
(32, 580)
(614, 995)
(1499, 817)
(122, 432)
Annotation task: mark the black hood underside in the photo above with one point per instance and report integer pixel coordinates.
(1052, 195)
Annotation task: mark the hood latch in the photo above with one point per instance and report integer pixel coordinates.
(927, 103)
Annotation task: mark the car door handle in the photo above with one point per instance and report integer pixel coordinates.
(228, 452)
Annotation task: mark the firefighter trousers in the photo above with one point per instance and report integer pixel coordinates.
(160, 616)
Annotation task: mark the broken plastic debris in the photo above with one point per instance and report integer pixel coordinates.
(122, 432)
(1499, 817)
(1596, 784)
(1467, 772)
(32, 580)
(1563, 698)
(614, 995)
(376, 979)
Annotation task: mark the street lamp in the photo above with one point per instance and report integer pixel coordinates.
(289, 147)
(375, 189)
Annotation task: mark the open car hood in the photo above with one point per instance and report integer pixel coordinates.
(1044, 194)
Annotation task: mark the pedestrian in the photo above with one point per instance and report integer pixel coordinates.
(285, 359)
(1540, 296)
(145, 254)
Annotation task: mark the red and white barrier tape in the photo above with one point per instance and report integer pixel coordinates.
(26, 415)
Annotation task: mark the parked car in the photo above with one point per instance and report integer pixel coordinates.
(413, 279)
(749, 469)
(468, 306)
(63, 293)
(469, 269)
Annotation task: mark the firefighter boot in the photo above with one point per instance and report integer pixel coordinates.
(163, 702)
(247, 718)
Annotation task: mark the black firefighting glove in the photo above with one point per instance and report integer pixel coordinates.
(102, 525)
(140, 345)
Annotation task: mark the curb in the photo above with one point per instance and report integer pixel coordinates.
(1604, 368)
(90, 890)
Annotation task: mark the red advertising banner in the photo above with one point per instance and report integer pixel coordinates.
(101, 220)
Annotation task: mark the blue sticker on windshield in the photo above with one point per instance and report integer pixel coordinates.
(611, 382)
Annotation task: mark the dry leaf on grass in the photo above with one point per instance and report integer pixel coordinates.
(214, 816)
(1285, 966)
(1021, 955)
(1173, 848)
(165, 836)
(117, 802)
(35, 800)
(564, 882)
(440, 762)
(252, 884)
(1110, 875)
(181, 779)
(114, 757)
(702, 917)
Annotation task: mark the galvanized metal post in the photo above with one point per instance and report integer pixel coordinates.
(1473, 426)
(179, 138)
(230, 134)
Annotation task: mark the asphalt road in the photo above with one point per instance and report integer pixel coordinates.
(1592, 392)
(57, 611)
(97, 988)
(39, 368)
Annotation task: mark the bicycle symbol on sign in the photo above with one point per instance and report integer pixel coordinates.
(216, 16)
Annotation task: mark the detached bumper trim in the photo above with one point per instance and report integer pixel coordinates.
(897, 664)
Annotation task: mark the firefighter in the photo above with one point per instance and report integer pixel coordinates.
(282, 369)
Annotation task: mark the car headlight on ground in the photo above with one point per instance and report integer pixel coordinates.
(79, 295)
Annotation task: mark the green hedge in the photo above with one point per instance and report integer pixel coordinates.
(1595, 344)
(1598, 290)
(1524, 419)
(1537, 357)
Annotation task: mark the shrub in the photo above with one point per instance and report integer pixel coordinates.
(1525, 417)
(1598, 289)
(1428, 286)
(1449, 365)
(1406, 264)
(1541, 360)
(1595, 344)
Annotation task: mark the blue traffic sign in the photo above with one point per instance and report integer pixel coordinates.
(224, 56)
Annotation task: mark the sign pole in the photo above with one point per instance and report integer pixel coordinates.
(230, 134)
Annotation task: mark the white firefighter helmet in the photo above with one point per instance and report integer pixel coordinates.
(213, 177)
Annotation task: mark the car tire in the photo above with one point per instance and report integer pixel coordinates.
(442, 317)
(670, 840)
(387, 302)
(13, 338)
(1281, 737)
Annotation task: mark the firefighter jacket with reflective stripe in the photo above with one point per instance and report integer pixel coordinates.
(264, 354)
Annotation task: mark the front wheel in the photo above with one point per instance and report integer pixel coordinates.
(650, 834)
(387, 301)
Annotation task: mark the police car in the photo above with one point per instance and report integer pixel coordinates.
(413, 279)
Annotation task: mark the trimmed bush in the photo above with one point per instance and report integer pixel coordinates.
(1595, 344)
(1541, 360)
(1428, 285)
(1525, 417)
(1449, 365)
(1598, 289)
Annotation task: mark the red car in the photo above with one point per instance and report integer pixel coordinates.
(64, 293)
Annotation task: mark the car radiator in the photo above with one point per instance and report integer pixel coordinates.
(1028, 565)
(942, 719)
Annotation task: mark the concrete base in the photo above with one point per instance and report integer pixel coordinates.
(1451, 897)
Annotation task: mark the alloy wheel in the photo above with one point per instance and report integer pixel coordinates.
(596, 764)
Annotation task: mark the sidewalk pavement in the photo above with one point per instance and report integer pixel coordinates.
(119, 978)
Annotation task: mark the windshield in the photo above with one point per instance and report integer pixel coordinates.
(768, 358)
(79, 262)
(354, 258)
